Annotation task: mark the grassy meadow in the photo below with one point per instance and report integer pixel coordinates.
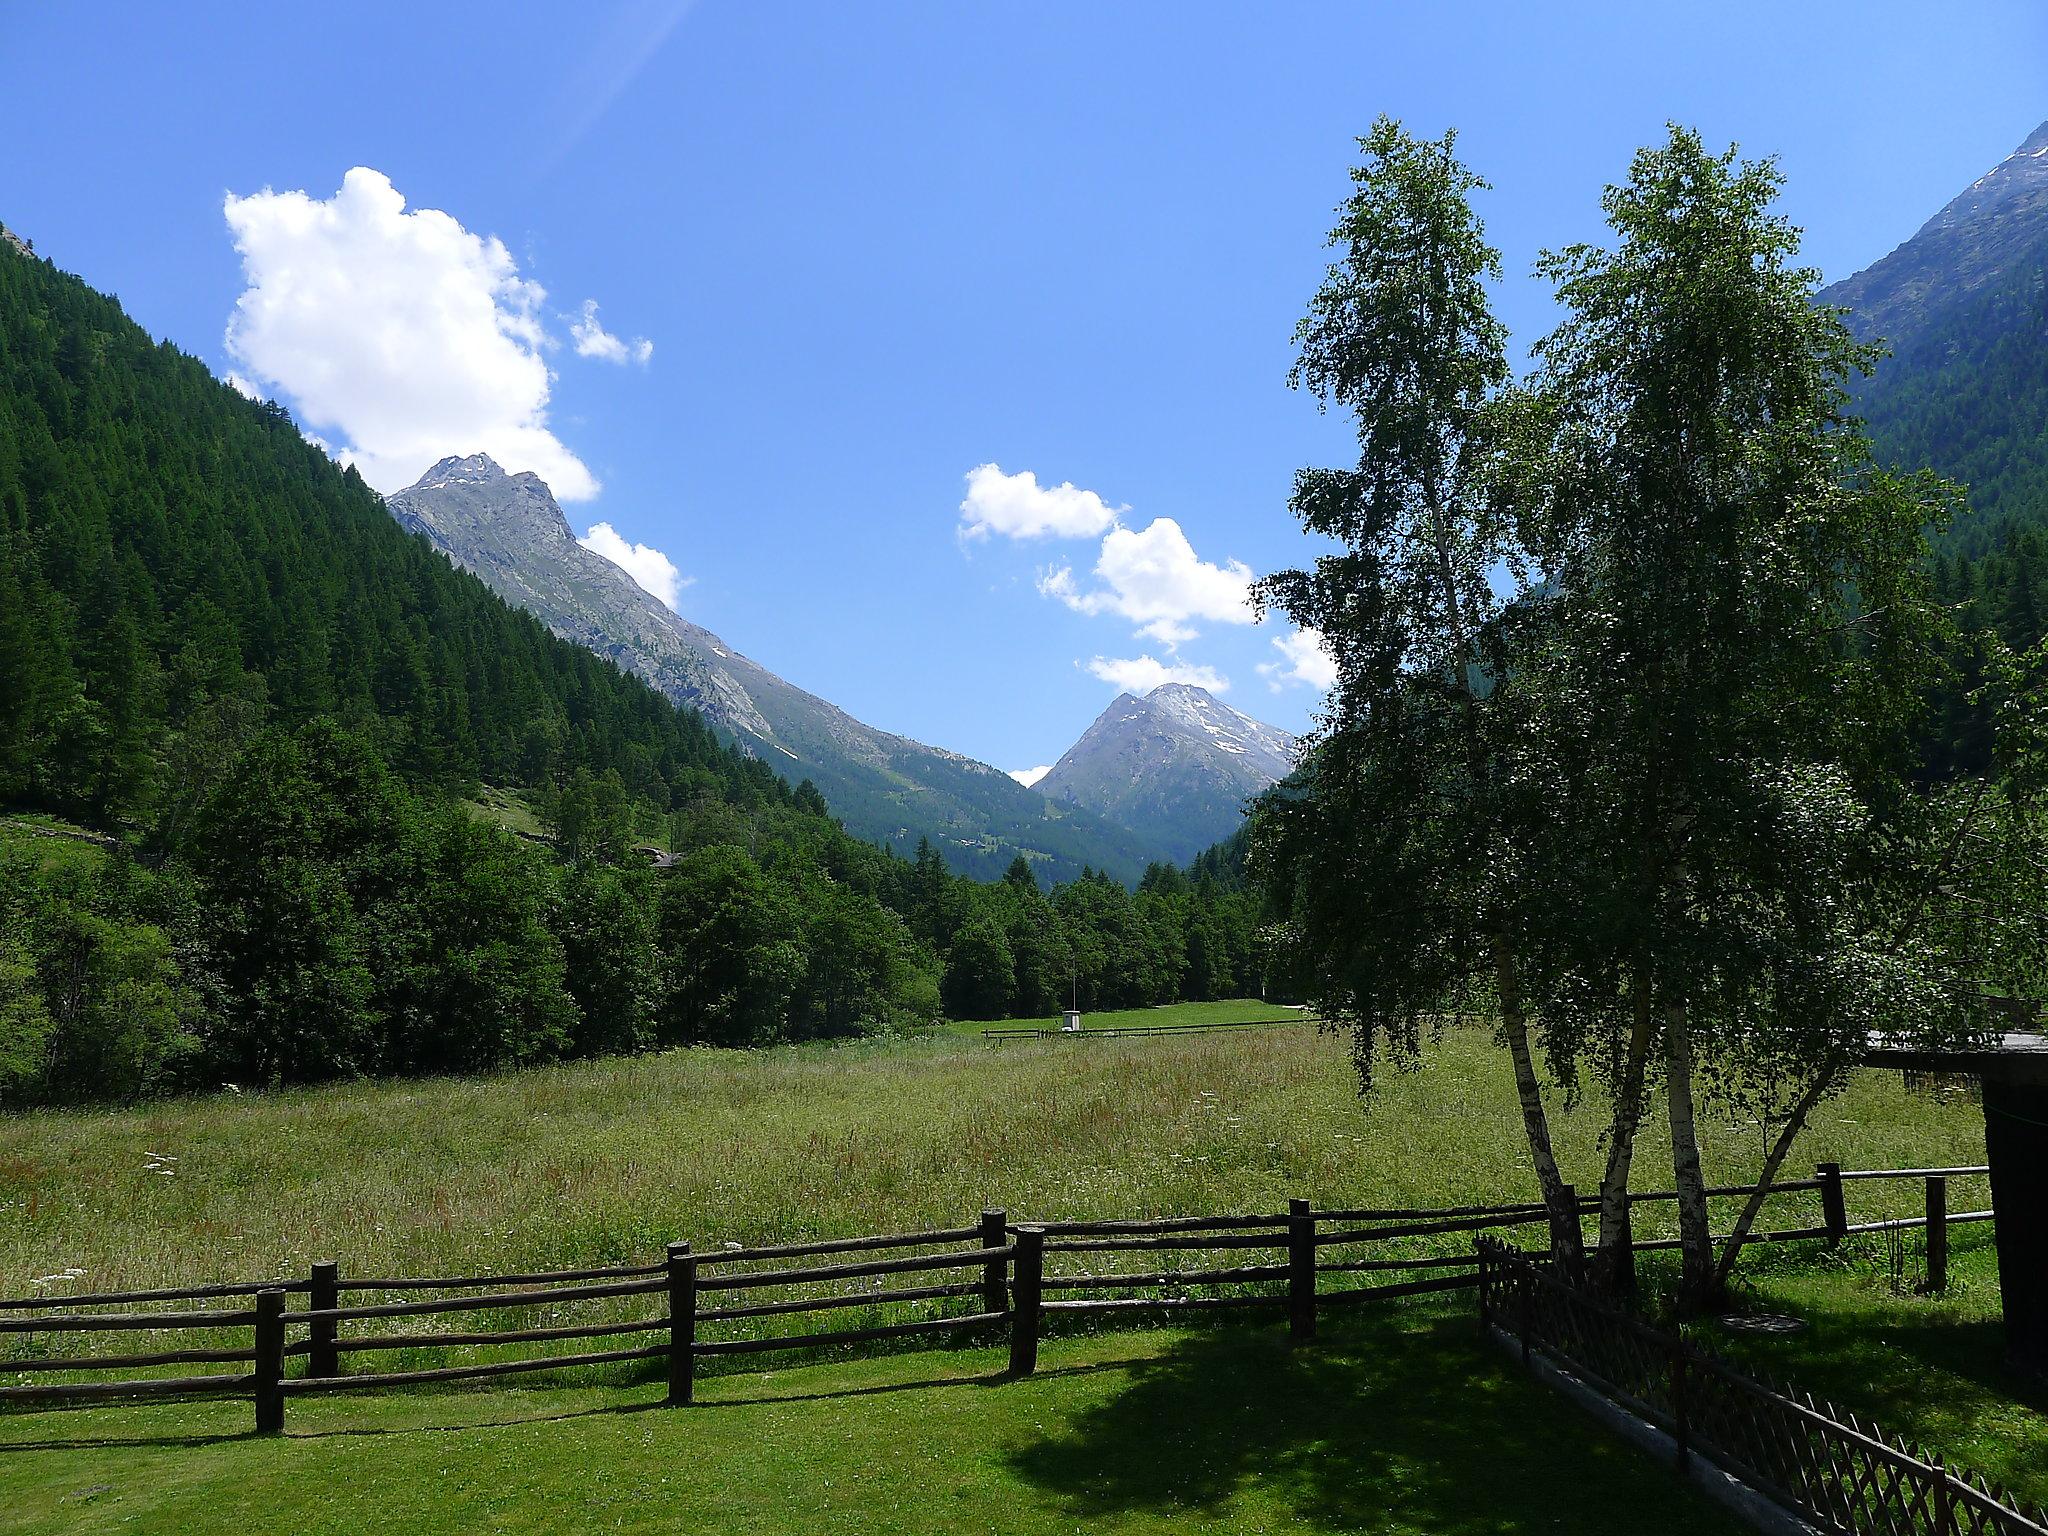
(600, 1162)
(1397, 1421)
(1165, 1016)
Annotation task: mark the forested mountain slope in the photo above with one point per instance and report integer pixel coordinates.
(887, 789)
(218, 648)
(1963, 308)
(166, 544)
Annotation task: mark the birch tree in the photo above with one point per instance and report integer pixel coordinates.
(1745, 624)
(1404, 854)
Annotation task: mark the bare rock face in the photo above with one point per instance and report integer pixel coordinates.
(1176, 767)
(509, 531)
(1962, 308)
(1995, 222)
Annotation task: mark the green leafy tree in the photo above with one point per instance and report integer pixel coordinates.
(298, 858)
(1406, 847)
(1738, 611)
(483, 980)
(605, 922)
(981, 973)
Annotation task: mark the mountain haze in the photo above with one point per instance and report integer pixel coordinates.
(1175, 766)
(508, 530)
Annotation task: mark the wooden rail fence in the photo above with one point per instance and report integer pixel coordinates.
(953, 1285)
(1808, 1456)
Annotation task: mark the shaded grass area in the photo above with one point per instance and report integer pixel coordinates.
(1929, 1368)
(1398, 1420)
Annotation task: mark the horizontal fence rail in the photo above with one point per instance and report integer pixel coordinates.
(1808, 1456)
(328, 1332)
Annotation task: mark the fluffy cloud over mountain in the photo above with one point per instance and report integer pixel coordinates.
(399, 336)
(1153, 577)
(1141, 674)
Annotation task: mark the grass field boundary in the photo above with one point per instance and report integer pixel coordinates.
(1806, 1455)
(1118, 1031)
(1130, 1266)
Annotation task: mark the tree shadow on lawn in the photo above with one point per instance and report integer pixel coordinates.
(1395, 1420)
(1943, 1381)
(1888, 1358)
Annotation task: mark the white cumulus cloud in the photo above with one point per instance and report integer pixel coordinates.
(1141, 674)
(1153, 577)
(1303, 659)
(1030, 776)
(1018, 507)
(654, 571)
(400, 335)
(593, 340)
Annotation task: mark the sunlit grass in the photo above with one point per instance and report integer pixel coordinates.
(601, 1162)
(1165, 1016)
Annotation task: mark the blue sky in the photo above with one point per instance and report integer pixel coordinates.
(873, 247)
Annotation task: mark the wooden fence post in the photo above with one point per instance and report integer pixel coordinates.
(1944, 1500)
(682, 1323)
(269, 1372)
(323, 1293)
(1301, 1272)
(1484, 1252)
(1025, 1299)
(995, 1293)
(1937, 1233)
(1834, 1211)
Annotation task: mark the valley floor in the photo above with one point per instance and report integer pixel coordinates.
(604, 1162)
(1396, 1421)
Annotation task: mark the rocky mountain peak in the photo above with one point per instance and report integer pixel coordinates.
(1984, 234)
(472, 490)
(1177, 764)
(472, 469)
(509, 531)
(2021, 174)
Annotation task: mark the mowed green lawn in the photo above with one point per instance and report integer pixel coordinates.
(1396, 1421)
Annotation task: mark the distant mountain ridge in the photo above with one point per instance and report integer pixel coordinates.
(509, 531)
(1963, 308)
(1175, 766)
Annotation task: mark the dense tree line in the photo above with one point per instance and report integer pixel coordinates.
(320, 918)
(2000, 601)
(218, 649)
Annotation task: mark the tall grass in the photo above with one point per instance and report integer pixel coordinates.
(598, 1162)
